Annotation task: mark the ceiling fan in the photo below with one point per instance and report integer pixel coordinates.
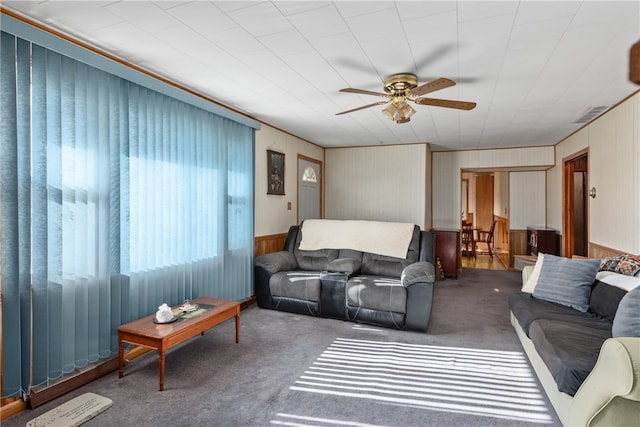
(400, 88)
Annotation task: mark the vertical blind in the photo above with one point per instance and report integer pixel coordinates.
(114, 199)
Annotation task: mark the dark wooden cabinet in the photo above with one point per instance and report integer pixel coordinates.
(448, 251)
(541, 239)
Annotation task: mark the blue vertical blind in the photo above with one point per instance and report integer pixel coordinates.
(114, 198)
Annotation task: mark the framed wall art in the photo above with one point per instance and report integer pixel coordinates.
(275, 172)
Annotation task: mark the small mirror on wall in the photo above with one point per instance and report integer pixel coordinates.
(275, 172)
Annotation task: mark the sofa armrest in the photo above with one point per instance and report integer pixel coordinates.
(616, 374)
(418, 272)
(277, 261)
(526, 273)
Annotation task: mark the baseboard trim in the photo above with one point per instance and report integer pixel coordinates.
(12, 408)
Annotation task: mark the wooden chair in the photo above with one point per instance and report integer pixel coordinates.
(468, 240)
(487, 237)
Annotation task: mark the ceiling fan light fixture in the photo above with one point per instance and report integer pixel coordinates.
(405, 110)
(399, 112)
(390, 111)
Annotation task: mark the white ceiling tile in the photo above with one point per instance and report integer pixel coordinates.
(286, 43)
(145, 15)
(377, 25)
(531, 12)
(480, 10)
(261, 19)
(319, 23)
(531, 35)
(487, 29)
(350, 9)
(410, 10)
(289, 8)
(606, 12)
(229, 6)
(203, 17)
(431, 28)
(236, 41)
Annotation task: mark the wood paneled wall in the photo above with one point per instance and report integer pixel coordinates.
(517, 244)
(501, 233)
(598, 251)
(268, 244)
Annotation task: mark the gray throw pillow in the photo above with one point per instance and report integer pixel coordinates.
(627, 320)
(567, 281)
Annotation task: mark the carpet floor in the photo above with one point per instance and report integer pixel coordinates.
(467, 370)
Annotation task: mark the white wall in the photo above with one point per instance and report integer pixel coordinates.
(271, 213)
(527, 201)
(613, 141)
(382, 183)
(446, 167)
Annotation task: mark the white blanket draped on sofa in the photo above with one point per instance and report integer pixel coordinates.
(382, 238)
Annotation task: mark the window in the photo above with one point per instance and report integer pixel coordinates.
(309, 175)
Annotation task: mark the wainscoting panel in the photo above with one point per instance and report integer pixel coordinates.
(598, 251)
(517, 244)
(268, 244)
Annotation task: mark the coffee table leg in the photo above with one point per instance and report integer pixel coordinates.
(161, 361)
(120, 358)
(238, 326)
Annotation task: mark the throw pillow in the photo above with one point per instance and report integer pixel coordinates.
(532, 281)
(629, 265)
(567, 281)
(610, 263)
(627, 320)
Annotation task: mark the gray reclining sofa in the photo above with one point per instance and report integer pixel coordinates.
(350, 285)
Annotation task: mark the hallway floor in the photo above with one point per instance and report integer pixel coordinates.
(483, 261)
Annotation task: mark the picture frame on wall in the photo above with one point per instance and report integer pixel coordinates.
(275, 172)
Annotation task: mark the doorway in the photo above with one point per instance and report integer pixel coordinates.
(576, 184)
(309, 188)
(480, 193)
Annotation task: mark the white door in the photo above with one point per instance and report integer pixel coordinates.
(309, 186)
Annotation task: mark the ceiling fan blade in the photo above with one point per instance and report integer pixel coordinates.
(364, 92)
(459, 105)
(362, 108)
(432, 86)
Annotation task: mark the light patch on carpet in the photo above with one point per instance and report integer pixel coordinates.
(74, 412)
(292, 420)
(486, 383)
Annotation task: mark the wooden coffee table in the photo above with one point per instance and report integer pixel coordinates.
(145, 332)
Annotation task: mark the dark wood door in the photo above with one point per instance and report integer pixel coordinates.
(576, 215)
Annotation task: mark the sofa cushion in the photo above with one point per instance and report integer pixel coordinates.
(316, 260)
(302, 285)
(377, 292)
(527, 309)
(345, 265)
(627, 320)
(605, 299)
(350, 253)
(567, 281)
(569, 350)
(380, 265)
